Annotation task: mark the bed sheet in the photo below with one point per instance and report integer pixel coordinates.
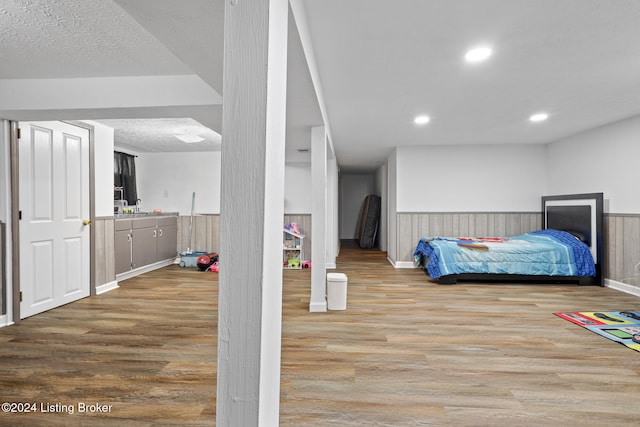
(543, 252)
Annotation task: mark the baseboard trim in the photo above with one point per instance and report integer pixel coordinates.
(622, 287)
(318, 307)
(331, 266)
(403, 264)
(144, 269)
(106, 287)
(4, 321)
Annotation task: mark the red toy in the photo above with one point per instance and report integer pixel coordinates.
(205, 261)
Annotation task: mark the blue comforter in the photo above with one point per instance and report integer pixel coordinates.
(542, 252)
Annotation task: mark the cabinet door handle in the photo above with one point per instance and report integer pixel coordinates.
(155, 233)
(128, 237)
(160, 232)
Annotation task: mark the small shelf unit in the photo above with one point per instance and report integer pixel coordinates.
(292, 250)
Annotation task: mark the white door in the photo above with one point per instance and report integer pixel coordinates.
(54, 206)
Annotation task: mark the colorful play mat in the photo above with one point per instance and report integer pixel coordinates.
(619, 326)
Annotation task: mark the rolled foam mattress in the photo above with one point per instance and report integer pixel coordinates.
(369, 221)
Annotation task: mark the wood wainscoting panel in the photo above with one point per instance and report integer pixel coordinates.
(615, 250)
(109, 252)
(206, 231)
(411, 227)
(205, 234)
(630, 246)
(99, 256)
(622, 248)
(104, 256)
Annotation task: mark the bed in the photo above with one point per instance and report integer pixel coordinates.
(568, 249)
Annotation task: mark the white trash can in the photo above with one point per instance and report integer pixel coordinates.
(336, 291)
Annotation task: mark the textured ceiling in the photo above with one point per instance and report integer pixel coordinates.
(98, 38)
(158, 135)
(78, 38)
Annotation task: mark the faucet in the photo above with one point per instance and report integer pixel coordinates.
(138, 203)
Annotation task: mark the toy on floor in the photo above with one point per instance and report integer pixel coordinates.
(206, 261)
(293, 263)
(292, 259)
(215, 267)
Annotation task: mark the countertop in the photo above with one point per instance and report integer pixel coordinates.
(144, 215)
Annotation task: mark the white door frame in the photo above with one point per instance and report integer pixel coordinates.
(15, 214)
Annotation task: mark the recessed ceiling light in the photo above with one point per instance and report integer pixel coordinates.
(189, 138)
(421, 120)
(539, 117)
(478, 54)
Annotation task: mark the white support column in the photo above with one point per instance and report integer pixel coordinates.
(318, 300)
(6, 299)
(252, 208)
(332, 211)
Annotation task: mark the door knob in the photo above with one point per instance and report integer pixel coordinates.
(86, 222)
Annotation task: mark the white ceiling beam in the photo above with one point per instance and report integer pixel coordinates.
(105, 92)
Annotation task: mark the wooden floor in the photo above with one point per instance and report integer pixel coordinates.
(406, 352)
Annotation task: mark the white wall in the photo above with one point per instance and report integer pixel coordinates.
(167, 181)
(471, 178)
(5, 216)
(5, 172)
(297, 189)
(605, 159)
(354, 188)
(333, 215)
(103, 168)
